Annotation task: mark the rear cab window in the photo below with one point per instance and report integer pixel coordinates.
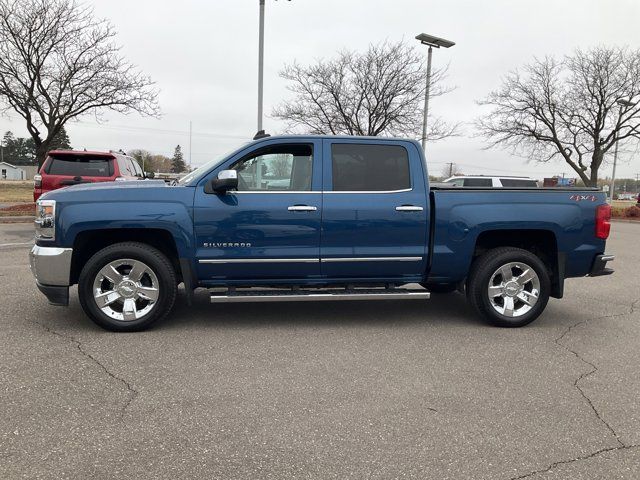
(80, 166)
(369, 168)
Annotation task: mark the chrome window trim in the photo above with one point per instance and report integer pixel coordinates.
(350, 192)
(273, 191)
(369, 191)
(370, 259)
(259, 260)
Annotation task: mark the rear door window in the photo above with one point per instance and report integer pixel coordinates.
(80, 166)
(137, 171)
(478, 182)
(126, 170)
(372, 168)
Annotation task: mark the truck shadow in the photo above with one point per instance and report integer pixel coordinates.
(449, 309)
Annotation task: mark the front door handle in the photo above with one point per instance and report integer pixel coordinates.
(409, 208)
(302, 208)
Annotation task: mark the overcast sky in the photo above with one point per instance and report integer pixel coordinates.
(203, 56)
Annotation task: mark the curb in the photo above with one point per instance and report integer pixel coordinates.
(625, 220)
(17, 219)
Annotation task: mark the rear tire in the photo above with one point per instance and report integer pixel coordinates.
(508, 287)
(126, 287)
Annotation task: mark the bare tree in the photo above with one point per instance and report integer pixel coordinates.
(380, 91)
(575, 108)
(58, 62)
(281, 165)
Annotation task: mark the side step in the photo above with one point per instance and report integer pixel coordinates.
(318, 294)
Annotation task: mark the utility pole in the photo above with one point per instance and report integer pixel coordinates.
(450, 169)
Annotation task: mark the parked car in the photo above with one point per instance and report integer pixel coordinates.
(496, 182)
(62, 168)
(356, 220)
(638, 200)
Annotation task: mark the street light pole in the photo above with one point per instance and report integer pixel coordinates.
(621, 103)
(260, 64)
(426, 100)
(613, 175)
(436, 42)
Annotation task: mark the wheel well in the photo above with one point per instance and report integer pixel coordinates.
(87, 243)
(541, 243)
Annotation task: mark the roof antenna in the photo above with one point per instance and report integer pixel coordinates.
(260, 135)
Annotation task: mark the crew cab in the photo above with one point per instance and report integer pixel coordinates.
(314, 218)
(62, 168)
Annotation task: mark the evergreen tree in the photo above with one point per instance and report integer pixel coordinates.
(18, 150)
(61, 141)
(177, 162)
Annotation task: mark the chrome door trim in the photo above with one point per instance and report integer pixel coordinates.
(302, 208)
(370, 259)
(259, 260)
(409, 208)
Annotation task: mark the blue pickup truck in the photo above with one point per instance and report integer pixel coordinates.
(314, 218)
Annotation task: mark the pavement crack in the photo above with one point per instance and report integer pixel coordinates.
(593, 369)
(584, 375)
(572, 460)
(131, 391)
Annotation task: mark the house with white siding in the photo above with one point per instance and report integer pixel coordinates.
(11, 172)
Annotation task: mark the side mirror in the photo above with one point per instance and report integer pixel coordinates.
(150, 175)
(227, 180)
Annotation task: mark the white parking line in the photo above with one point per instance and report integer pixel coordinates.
(15, 244)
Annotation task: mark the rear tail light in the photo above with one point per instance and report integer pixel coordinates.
(603, 221)
(37, 180)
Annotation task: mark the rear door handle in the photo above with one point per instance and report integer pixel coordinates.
(409, 208)
(302, 208)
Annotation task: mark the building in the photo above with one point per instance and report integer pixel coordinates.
(11, 172)
(29, 170)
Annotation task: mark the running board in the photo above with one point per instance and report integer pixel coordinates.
(313, 295)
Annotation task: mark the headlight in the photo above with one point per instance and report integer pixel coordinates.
(45, 219)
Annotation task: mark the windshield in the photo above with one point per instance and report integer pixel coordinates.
(203, 169)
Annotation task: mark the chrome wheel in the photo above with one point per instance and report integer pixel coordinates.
(126, 289)
(513, 289)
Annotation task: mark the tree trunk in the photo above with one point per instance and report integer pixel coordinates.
(596, 160)
(41, 153)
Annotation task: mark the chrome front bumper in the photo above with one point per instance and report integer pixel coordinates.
(51, 265)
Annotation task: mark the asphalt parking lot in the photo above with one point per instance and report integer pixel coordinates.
(374, 390)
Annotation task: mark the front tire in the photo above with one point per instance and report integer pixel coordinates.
(126, 287)
(508, 287)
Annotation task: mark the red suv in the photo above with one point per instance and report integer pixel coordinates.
(62, 168)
